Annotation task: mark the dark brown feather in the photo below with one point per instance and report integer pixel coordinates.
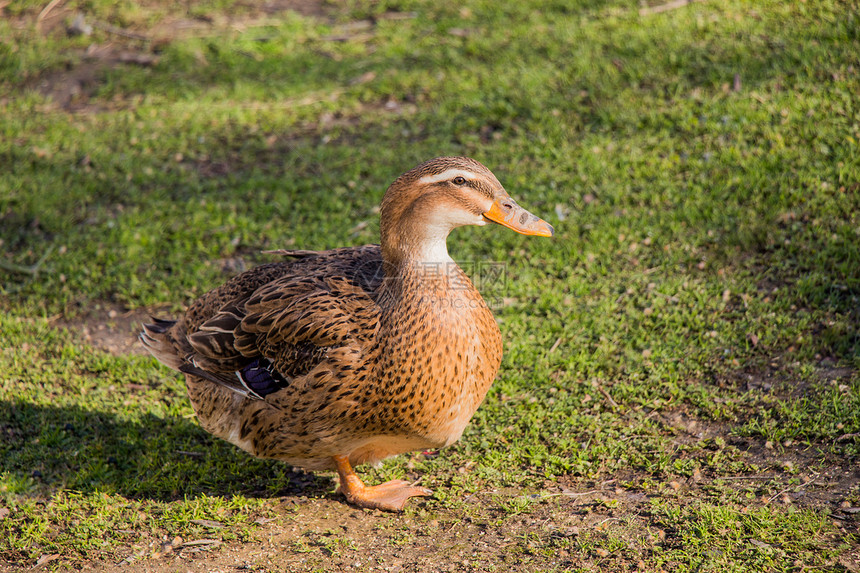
(318, 303)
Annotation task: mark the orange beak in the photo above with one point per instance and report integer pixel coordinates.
(507, 213)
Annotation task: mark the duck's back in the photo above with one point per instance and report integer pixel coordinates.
(359, 266)
(275, 357)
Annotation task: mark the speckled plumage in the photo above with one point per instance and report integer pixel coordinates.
(363, 352)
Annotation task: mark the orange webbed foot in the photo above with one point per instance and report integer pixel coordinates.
(389, 496)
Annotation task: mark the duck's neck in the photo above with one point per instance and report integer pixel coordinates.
(432, 250)
(421, 274)
(419, 250)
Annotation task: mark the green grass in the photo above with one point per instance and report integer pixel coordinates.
(706, 265)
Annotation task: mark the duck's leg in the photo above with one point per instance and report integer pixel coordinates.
(390, 496)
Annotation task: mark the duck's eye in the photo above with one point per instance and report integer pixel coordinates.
(459, 180)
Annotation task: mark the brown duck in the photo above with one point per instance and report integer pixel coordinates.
(337, 358)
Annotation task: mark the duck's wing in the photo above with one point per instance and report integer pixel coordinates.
(257, 344)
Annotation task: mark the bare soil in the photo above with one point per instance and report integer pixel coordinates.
(321, 533)
(110, 329)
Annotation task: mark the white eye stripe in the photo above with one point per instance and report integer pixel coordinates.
(446, 175)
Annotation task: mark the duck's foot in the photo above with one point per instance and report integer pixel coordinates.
(389, 496)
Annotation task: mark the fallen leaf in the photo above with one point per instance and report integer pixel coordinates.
(47, 559)
(200, 542)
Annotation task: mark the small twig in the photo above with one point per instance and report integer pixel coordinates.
(208, 523)
(31, 270)
(625, 438)
(648, 10)
(652, 414)
(199, 542)
(606, 395)
(744, 477)
(776, 495)
(190, 454)
(250, 55)
(6, 265)
(46, 10)
(554, 346)
(846, 437)
(347, 38)
(572, 494)
(119, 31)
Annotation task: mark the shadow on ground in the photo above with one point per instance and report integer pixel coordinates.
(46, 449)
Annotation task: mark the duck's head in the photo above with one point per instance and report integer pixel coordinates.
(424, 204)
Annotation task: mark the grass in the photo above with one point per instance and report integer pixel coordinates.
(695, 319)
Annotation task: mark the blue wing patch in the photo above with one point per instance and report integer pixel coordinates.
(261, 378)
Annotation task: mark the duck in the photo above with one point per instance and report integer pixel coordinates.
(327, 360)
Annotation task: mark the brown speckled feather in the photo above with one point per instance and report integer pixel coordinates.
(317, 303)
(351, 354)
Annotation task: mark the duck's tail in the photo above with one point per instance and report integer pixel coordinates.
(158, 339)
